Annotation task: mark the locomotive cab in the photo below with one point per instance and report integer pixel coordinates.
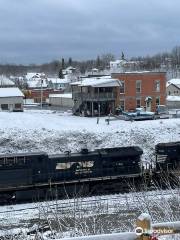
(167, 156)
(22, 169)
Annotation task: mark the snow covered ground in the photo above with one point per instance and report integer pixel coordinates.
(114, 213)
(56, 132)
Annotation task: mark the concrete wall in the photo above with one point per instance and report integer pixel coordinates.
(173, 104)
(61, 101)
(11, 101)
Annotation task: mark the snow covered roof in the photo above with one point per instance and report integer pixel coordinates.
(10, 92)
(98, 82)
(31, 75)
(65, 95)
(4, 81)
(59, 80)
(173, 98)
(70, 68)
(36, 83)
(174, 81)
(117, 61)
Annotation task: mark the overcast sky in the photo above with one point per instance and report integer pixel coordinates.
(36, 31)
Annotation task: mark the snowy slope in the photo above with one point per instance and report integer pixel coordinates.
(56, 132)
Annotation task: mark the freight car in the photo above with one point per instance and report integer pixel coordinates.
(36, 175)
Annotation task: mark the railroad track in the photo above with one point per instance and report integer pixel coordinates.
(107, 203)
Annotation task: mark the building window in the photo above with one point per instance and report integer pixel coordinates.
(122, 87)
(157, 101)
(138, 86)
(138, 102)
(18, 105)
(4, 106)
(122, 104)
(157, 85)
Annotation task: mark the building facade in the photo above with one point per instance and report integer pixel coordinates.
(173, 87)
(95, 96)
(141, 89)
(61, 100)
(11, 99)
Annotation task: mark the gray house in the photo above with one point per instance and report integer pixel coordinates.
(173, 93)
(95, 96)
(173, 87)
(11, 99)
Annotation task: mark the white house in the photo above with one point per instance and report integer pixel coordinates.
(11, 99)
(69, 70)
(36, 80)
(6, 82)
(58, 83)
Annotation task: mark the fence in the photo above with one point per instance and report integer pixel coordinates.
(144, 230)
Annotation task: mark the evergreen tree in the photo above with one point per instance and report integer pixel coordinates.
(122, 56)
(98, 62)
(70, 61)
(61, 73)
(63, 63)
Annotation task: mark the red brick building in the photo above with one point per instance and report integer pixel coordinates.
(138, 89)
(36, 94)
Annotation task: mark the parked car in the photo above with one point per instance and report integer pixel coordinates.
(139, 114)
(162, 111)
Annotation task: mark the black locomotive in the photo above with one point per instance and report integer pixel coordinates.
(110, 170)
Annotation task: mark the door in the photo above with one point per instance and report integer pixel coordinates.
(148, 106)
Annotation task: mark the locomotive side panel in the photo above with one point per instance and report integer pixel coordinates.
(124, 161)
(15, 177)
(73, 167)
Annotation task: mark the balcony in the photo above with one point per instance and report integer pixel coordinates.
(94, 97)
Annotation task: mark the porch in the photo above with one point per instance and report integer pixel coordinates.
(97, 108)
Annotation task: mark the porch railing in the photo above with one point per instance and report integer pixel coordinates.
(94, 96)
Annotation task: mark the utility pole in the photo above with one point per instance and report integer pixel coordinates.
(41, 92)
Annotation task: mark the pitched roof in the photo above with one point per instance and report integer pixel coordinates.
(64, 95)
(98, 82)
(59, 80)
(174, 81)
(4, 81)
(11, 92)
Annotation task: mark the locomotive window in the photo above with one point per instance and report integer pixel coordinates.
(63, 166)
(2, 161)
(161, 151)
(10, 161)
(20, 160)
(119, 164)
